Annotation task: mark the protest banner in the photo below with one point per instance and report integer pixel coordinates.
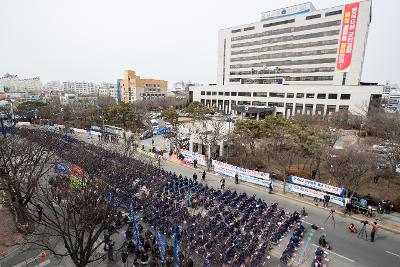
(317, 185)
(315, 193)
(189, 157)
(246, 175)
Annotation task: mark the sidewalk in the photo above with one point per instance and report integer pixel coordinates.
(10, 239)
(389, 222)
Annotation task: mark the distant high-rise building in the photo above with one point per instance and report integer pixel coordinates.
(133, 88)
(299, 44)
(82, 88)
(184, 86)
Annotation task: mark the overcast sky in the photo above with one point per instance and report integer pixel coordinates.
(95, 40)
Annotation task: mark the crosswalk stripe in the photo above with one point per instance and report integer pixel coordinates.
(27, 261)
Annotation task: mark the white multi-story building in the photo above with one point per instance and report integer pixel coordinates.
(295, 60)
(12, 83)
(54, 86)
(300, 44)
(108, 89)
(82, 88)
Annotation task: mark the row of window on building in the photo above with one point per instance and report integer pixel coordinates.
(272, 24)
(152, 85)
(287, 78)
(297, 107)
(280, 95)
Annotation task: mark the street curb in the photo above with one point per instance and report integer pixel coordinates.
(288, 195)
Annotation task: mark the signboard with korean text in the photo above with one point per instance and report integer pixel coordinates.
(287, 11)
(316, 185)
(347, 37)
(247, 175)
(315, 193)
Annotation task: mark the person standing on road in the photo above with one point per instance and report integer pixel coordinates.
(374, 230)
(326, 200)
(222, 183)
(236, 178)
(195, 177)
(203, 176)
(195, 163)
(124, 258)
(270, 187)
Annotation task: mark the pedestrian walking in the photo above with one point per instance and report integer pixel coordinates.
(236, 178)
(195, 163)
(270, 187)
(222, 183)
(203, 176)
(40, 212)
(374, 230)
(195, 177)
(388, 207)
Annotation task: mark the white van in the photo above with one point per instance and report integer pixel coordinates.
(154, 123)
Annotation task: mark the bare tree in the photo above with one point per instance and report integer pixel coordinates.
(211, 133)
(70, 217)
(23, 164)
(349, 167)
(105, 102)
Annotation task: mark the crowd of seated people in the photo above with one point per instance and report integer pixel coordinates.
(226, 227)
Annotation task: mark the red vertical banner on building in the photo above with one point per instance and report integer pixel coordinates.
(347, 37)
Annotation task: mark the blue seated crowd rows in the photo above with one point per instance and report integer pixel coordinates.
(222, 227)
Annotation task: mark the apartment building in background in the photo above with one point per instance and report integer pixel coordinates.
(133, 88)
(54, 86)
(81, 88)
(108, 89)
(296, 60)
(12, 83)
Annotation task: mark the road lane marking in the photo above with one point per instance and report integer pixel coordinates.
(397, 255)
(44, 263)
(329, 251)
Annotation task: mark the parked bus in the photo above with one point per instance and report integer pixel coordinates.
(114, 130)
